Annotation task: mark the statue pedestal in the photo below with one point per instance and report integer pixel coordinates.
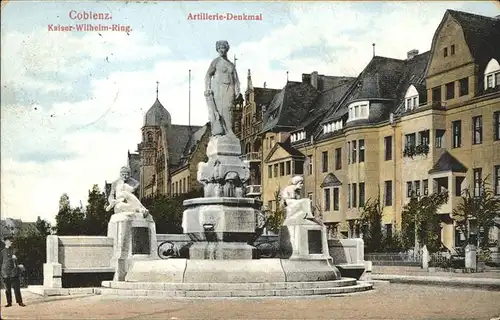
(134, 238)
(301, 237)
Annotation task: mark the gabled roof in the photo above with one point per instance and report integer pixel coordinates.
(330, 181)
(334, 89)
(190, 147)
(482, 35)
(264, 96)
(447, 163)
(289, 107)
(178, 137)
(287, 147)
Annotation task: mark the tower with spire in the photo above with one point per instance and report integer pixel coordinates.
(153, 150)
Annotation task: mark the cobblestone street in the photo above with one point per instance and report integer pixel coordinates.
(387, 301)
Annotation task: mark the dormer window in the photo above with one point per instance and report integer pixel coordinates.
(411, 98)
(298, 136)
(492, 75)
(358, 110)
(332, 126)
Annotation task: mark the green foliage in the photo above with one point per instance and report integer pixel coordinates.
(96, 218)
(483, 209)
(31, 248)
(420, 216)
(70, 221)
(277, 216)
(371, 221)
(393, 243)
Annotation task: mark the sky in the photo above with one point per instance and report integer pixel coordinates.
(73, 102)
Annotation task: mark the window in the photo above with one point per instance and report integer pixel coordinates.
(181, 187)
(409, 189)
(425, 186)
(409, 104)
(415, 102)
(452, 51)
(388, 193)
(388, 148)
(275, 170)
(354, 157)
(497, 180)
(327, 199)
(354, 195)
(410, 140)
(361, 194)
(325, 161)
(458, 186)
(457, 133)
(477, 130)
(358, 110)
(361, 145)
(489, 81)
(424, 137)
(497, 79)
(348, 152)
(310, 196)
(436, 94)
(440, 138)
(478, 179)
(338, 158)
(298, 167)
(271, 142)
(288, 168)
(445, 52)
(496, 125)
(348, 195)
(450, 90)
(336, 199)
(282, 169)
(310, 166)
(417, 188)
(464, 86)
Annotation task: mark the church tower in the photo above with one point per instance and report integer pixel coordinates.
(153, 150)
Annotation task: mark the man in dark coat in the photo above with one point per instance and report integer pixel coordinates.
(10, 273)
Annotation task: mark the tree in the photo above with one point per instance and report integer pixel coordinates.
(96, 217)
(371, 221)
(42, 226)
(483, 208)
(69, 221)
(420, 221)
(277, 217)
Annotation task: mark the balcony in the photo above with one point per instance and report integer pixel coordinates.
(254, 190)
(252, 157)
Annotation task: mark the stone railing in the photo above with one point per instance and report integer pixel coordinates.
(252, 156)
(254, 190)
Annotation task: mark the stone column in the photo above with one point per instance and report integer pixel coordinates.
(52, 270)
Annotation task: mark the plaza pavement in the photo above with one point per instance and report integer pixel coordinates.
(386, 301)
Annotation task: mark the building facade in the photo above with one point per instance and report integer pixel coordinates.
(428, 123)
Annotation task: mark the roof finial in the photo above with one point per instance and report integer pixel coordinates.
(287, 76)
(373, 44)
(249, 81)
(235, 59)
(157, 90)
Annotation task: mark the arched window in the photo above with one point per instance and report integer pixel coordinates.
(492, 75)
(149, 137)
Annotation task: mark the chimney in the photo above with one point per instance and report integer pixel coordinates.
(412, 53)
(265, 85)
(314, 79)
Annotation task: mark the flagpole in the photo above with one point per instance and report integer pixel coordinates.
(189, 103)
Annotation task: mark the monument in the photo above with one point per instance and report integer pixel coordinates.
(223, 224)
(131, 226)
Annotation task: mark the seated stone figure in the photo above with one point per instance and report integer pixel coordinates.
(122, 197)
(295, 206)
